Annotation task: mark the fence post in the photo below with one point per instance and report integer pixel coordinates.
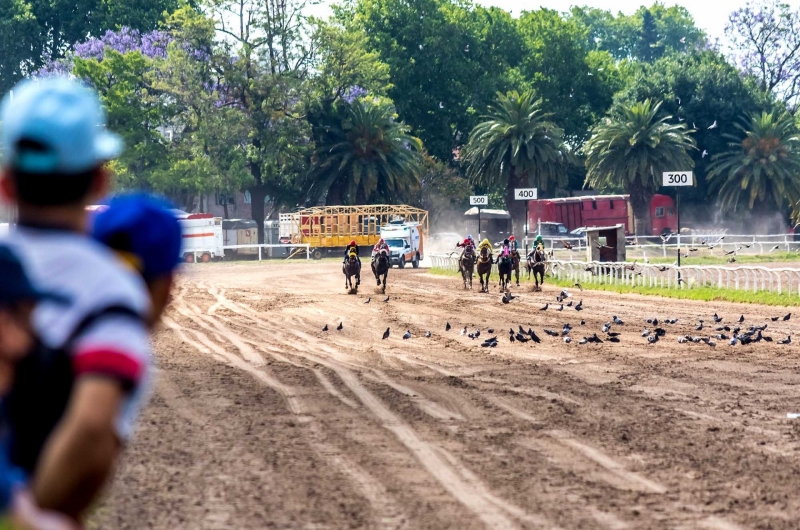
(259, 253)
(308, 252)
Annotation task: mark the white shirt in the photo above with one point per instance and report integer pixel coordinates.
(113, 344)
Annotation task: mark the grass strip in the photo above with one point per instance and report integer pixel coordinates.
(705, 294)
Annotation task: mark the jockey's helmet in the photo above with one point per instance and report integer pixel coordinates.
(381, 241)
(353, 243)
(505, 241)
(511, 238)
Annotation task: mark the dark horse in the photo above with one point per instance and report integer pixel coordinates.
(467, 263)
(515, 259)
(504, 267)
(380, 267)
(351, 269)
(485, 262)
(536, 264)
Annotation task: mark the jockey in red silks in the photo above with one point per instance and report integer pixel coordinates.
(513, 243)
(380, 245)
(467, 243)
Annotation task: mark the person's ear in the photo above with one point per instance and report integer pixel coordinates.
(101, 183)
(8, 188)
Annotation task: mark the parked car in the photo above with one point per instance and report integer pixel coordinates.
(550, 229)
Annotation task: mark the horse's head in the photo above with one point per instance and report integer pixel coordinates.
(469, 252)
(352, 257)
(384, 254)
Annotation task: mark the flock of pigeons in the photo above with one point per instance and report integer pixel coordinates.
(653, 331)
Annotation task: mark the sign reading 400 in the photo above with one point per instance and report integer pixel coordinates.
(678, 178)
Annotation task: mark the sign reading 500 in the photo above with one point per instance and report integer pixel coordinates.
(478, 200)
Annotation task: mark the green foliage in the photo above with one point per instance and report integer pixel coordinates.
(576, 84)
(369, 158)
(697, 90)
(631, 148)
(442, 192)
(516, 145)
(647, 35)
(18, 37)
(134, 112)
(446, 60)
(762, 165)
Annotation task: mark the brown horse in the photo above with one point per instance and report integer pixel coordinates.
(537, 261)
(467, 263)
(504, 267)
(515, 259)
(380, 268)
(485, 262)
(352, 269)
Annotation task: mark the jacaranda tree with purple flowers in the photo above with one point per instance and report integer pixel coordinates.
(765, 43)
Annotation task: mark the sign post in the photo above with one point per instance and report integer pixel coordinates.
(527, 195)
(479, 200)
(677, 179)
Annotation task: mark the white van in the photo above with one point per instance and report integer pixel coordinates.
(405, 243)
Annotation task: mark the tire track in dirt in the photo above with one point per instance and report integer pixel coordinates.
(457, 480)
(389, 515)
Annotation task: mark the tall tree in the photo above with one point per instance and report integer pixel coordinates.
(446, 58)
(668, 29)
(46, 30)
(761, 169)
(765, 43)
(516, 145)
(371, 158)
(698, 89)
(270, 54)
(631, 148)
(575, 84)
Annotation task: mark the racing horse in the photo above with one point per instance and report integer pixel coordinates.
(485, 262)
(504, 267)
(380, 267)
(515, 259)
(351, 270)
(536, 264)
(467, 263)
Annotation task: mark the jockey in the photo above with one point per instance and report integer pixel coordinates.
(538, 241)
(506, 250)
(485, 244)
(352, 247)
(380, 245)
(467, 243)
(513, 243)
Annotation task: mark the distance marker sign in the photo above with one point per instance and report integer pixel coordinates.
(478, 200)
(526, 194)
(678, 178)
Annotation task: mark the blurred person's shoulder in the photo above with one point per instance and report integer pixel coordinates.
(77, 266)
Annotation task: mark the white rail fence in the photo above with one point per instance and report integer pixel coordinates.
(198, 253)
(753, 279)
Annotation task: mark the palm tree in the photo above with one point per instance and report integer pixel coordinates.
(515, 146)
(631, 148)
(761, 169)
(369, 158)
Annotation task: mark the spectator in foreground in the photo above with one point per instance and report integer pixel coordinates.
(55, 146)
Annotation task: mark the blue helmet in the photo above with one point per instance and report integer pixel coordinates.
(470, 237)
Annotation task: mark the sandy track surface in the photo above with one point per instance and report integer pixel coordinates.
(261, 420)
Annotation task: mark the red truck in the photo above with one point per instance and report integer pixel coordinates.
(603, 210)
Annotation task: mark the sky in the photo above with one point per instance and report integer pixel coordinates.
(710, 15)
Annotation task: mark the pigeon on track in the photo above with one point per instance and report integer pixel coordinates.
(534, 337)
(579, 307)
(579, 286)
(787, 317)
(325, 328)
(340, 326)
(387, 299)
(545, 307)
(617, 321)
(567, 340)
(385, 334)
(717, 319)
(368, 300)
(787, 340)
(551, 332)
(741, 319)
(407, 335)
(447, 327)
(427, 334)
(560, 308)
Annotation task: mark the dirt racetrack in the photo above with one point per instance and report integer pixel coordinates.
(261, 420)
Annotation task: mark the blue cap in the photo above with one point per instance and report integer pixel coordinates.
(143, 230)
(16, 286)
(62, 116)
